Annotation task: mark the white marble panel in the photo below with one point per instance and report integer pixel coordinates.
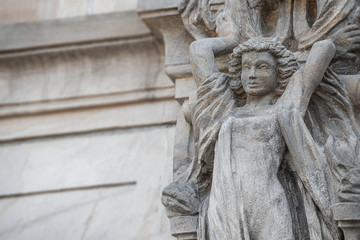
(131, 212)
(143, 155)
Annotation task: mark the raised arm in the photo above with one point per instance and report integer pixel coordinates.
(305, 81)
(203, 53)
(317, 62)
(226, 24)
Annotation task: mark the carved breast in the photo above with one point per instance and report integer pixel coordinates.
(256, 128)
(256, 139)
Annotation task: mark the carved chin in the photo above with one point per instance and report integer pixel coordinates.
(258, 91)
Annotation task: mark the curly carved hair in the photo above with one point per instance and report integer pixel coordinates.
(285, 59)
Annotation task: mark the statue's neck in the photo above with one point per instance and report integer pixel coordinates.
(259, 102)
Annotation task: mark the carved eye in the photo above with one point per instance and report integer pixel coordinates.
(263, 66)
(246, 67)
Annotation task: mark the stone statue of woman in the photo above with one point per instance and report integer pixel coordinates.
(247, 125)
(246, 194)
(272, 157)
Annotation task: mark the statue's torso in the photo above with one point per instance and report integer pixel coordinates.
(256, 151)
(257, 148)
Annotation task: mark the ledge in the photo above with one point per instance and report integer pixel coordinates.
(143, 114)
(32, 108)
(61, 32)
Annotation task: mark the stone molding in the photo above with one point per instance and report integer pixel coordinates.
(89, 120)
(120, 98)
(55, 33)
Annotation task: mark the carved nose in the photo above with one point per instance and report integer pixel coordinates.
(252, 74)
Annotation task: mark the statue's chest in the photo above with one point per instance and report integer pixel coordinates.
(255, 128)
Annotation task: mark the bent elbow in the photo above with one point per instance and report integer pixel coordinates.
(326, 46)
(198, 47)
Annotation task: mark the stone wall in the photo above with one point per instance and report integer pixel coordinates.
(87, 122)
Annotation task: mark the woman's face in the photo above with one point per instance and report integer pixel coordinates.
(259, 73)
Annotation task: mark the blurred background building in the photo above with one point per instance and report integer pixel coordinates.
(88, 117)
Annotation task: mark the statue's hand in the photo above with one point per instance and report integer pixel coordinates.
(192, 13)
(185, 7)
(225, 26)
(218, 78)
(180, 198)
(347, 38)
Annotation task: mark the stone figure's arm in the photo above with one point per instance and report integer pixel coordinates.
(311, 75)
(204, 51)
